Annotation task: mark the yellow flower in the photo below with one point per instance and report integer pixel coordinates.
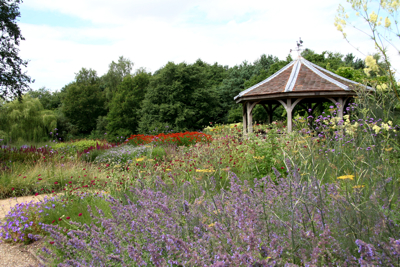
(344, 177)
(225, 169)
(387, 22)
(211, 225)
(150, 159)
(388, 149)
(260, 158)
(376, 128)
(373, 17)
(139, 159)
(358, 186)
(168, 169)
(205, 170)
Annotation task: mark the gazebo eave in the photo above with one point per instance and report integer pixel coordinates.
(290, 95)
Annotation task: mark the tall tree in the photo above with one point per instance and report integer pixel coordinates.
(26, 120)
(50, 100)
(13, 82)
(124, 114)
(180, 97)
(84, 101)
(117, 71)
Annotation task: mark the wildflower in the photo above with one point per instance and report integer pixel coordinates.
(55, 182)
(139, 159)
(259, 158)
(373, 17)
(358, 186)
(211, 225)
(387, 22)
(53, 221)
(59, 219)
(51, 242)
(80, 214)
(344, 177)
(12, 189)
(68, 218)
(36, 194)
(282, 168)
(205, 170)
(40, 179)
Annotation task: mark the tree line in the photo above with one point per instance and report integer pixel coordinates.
(177, 97)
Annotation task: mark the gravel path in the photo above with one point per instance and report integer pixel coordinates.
(18, 255)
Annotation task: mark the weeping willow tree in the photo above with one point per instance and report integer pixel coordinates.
(26, 120)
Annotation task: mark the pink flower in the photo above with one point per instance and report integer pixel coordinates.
(80, 214)
(68, 218)
(55, 182)
(36, 194)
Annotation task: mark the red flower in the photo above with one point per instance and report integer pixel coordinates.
(55, 182)
(51, 242)
(39, 175)
(12, 189)
(53, 221)
(282, 168)
(59, 219)
(40, 179)
(36, 194)
(80, 214)
(24, 176)
(70, 182)
(68, 218)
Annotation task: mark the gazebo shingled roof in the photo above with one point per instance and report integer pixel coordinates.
(300, 80)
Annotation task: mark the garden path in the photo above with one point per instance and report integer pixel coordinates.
(19, 255)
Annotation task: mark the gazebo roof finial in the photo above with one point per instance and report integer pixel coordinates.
(299, 48)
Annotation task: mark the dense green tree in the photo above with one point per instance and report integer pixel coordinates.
(50, 100)
(84, 101)
(180, 97)
(26, 120)
(124, 114)
(117, 71)
(13, 82)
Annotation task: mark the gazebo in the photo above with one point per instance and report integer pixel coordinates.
(299, 82)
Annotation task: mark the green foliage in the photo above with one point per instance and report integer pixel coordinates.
(50, 100)
(84, 101)
(26, 120)
(124, 115)
(13, 82)
(115, 75)
(78, 146)
(181, 97)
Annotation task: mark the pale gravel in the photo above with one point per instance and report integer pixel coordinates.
(19, 255)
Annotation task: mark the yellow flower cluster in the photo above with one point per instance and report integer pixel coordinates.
(358, 186)
(259, 158)
(346, 177)
(370, 61)
(204, 170)
(373, 17)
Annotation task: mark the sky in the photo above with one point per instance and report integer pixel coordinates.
(64, 36)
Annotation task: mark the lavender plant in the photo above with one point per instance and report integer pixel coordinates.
(292, 220)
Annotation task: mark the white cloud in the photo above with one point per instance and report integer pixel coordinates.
(153, 32)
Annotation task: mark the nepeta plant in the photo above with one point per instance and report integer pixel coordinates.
(275, 222)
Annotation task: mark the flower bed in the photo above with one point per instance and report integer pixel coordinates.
(180, 139)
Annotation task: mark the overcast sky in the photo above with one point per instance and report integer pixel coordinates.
(64, 36)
